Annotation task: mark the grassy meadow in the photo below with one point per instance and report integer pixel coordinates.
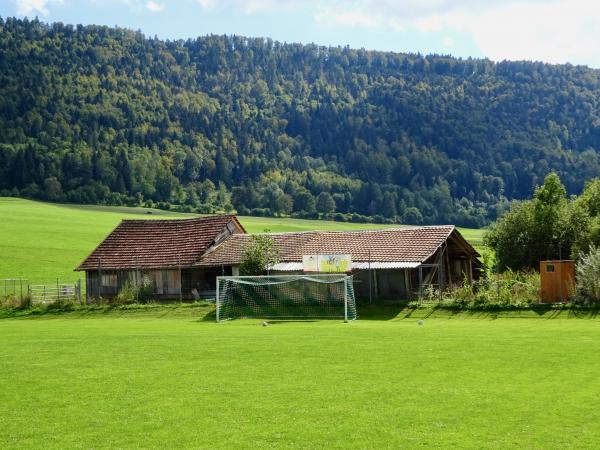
(44, 241)
(170, 377)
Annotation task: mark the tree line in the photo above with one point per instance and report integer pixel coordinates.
(93, 114)
(551, 225)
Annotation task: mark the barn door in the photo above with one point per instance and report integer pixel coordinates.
(158, 281)
(165, 281)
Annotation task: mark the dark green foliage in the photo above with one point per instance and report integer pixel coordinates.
(549, 226)
(102, 115)
(510, 238)
(259, 255)
(325, 203)
(590, 197)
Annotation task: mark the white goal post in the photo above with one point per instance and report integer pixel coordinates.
(285, 297)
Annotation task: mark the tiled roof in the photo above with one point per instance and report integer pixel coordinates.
(415, 244)
(158, 243)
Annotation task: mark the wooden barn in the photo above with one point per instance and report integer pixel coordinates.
(161, 251)
(182, 258)
(395, 263)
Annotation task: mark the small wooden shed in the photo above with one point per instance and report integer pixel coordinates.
(557, 279)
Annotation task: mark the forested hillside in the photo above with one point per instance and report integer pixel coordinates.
(102, 115)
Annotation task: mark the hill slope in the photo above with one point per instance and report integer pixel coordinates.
(102, 115)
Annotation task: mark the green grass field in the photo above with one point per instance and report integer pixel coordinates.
(44, 241)
(164, 377)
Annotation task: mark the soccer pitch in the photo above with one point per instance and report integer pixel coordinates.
(166, 378)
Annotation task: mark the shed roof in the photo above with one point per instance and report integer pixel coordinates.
(409, 245)
(159, 243)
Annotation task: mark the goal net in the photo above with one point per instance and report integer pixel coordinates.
(286, 297)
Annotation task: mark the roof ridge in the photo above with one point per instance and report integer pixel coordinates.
(371, 230)
(186, 219)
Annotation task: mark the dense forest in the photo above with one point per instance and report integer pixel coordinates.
(92, 114)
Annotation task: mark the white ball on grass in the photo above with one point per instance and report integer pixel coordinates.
(264, 324)
(421, 323)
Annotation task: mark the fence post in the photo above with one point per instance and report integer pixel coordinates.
(440, 279)
(180, 285)
(346, 299)
(99, 278)
(217, 300)
(420, 284)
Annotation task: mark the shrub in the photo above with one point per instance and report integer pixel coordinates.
(304, 215)
(260, 212)
(509, 290)
(64, 303)
(127, 295)
(588, 275)
(15, 302)
(241, 210)
(145, 288)
(260, 253)
(134, 292)
(359, 218)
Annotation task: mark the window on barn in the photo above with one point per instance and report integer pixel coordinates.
(550, 268)
(109, 279)
(173, 281)
(457, 268)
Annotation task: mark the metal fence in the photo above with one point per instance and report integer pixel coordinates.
(21, 290)
(52, 293)
(14, 287)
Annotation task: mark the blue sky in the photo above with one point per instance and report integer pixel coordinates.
(555, 31)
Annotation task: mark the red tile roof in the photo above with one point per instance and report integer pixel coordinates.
(414, 244)
(158, 243)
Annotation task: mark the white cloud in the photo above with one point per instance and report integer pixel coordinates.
(358, 14)
(135, 6)
(30, 7)
(447, 41)
(555, 31)
(153, 6)
(206, 4)
(254, 6)
(251, 6)
(356, 18)
(565, 31)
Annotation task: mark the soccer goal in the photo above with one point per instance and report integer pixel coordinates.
(286, 297)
